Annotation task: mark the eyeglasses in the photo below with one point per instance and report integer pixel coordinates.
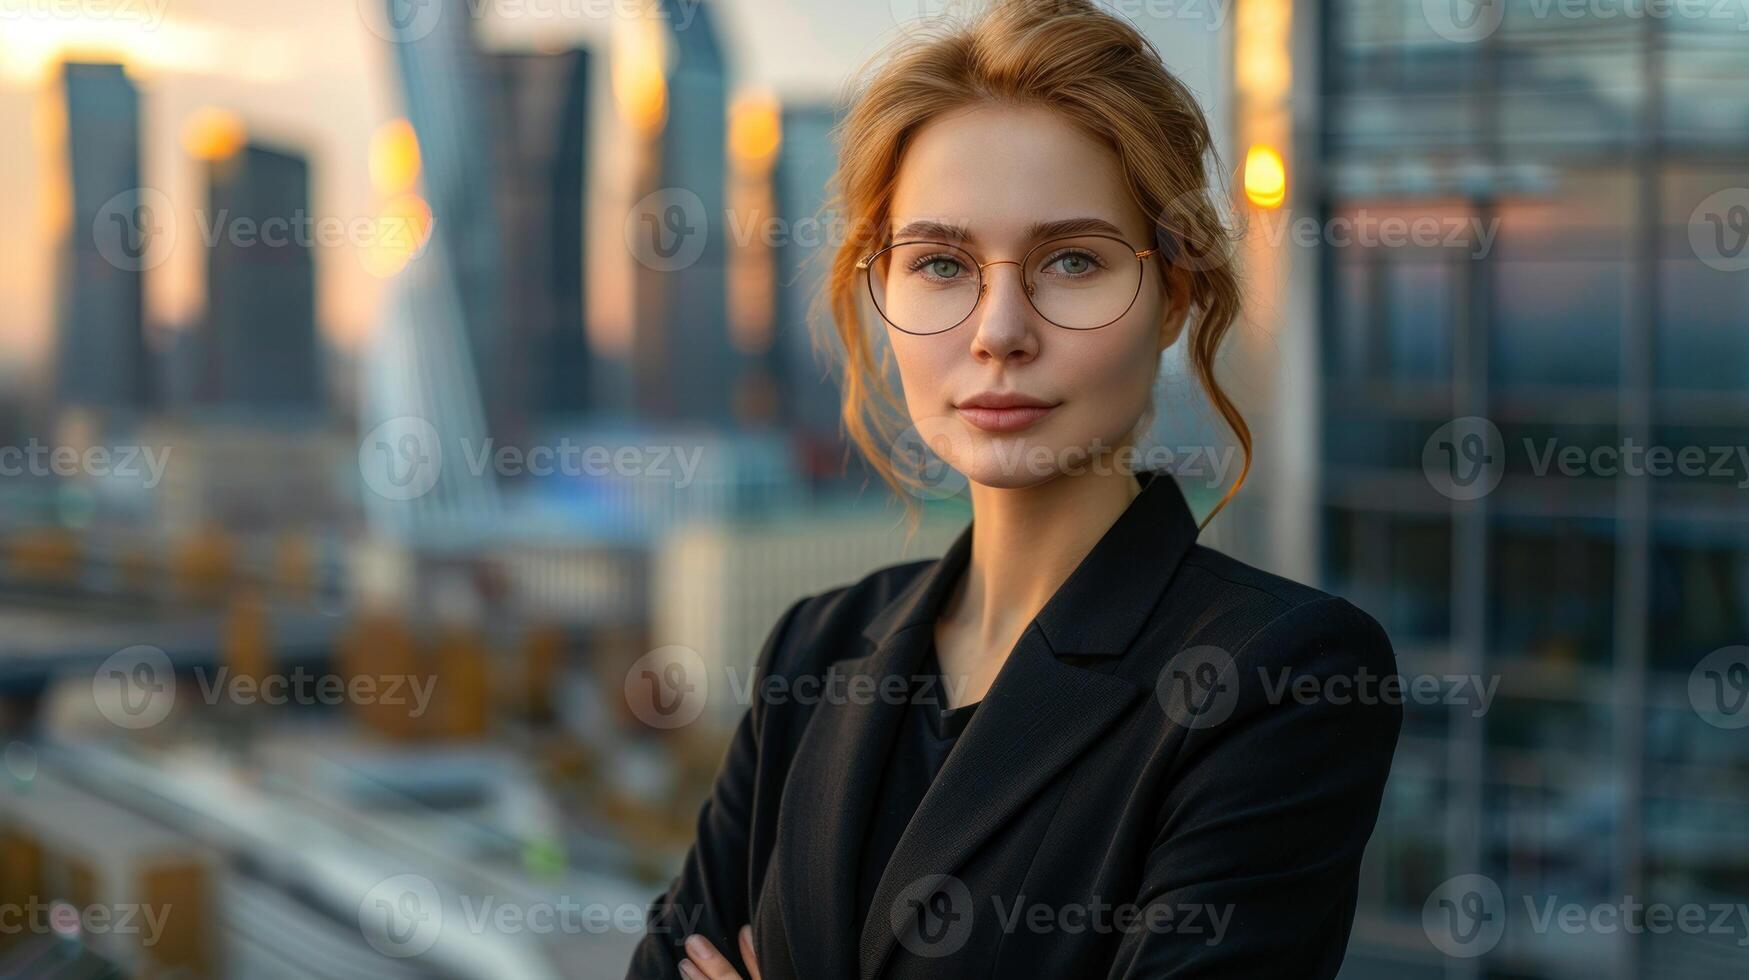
(1082, 282)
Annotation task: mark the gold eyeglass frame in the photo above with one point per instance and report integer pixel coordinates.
(866, 263)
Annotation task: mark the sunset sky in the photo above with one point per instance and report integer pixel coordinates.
(311, 76)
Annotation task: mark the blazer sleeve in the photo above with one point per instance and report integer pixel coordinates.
(1254, 869)
(712, 894)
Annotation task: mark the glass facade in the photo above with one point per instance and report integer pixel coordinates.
(1562, 158)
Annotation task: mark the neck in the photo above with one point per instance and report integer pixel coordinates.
(1025, 544)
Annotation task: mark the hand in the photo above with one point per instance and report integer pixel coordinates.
(703, 962)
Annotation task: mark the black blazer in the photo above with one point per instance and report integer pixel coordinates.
(1173, 775)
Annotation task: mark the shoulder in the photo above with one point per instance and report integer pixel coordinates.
(1266, 616)
(1287, 655)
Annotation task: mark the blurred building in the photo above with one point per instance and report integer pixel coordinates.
(808, 379)
(447, 90)
(1583, 146)
(719, 588)
(684, 366)
(540, 102)
(101, 359)
(261, 352)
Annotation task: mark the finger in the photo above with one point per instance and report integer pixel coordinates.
(689, 971)
(747, 953)
(705, 957)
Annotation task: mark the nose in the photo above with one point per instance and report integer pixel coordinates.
(1007, 325)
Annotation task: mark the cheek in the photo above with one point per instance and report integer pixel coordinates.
(924, 369)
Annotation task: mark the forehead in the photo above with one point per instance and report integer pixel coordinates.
(998, 170)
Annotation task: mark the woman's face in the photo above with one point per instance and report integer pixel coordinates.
(993, 172)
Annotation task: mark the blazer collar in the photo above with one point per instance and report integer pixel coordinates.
(1122, 577)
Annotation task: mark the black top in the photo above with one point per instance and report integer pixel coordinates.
(1172, 777)
(926, 735)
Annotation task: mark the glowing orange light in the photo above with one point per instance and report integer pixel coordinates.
(403, 227)
(1265, 177)
(755, 131)
(213, 134)
(394, 158)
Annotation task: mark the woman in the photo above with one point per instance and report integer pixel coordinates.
(1163, 763)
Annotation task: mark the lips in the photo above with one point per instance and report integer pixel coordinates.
(1001, 411)
(1004, 419)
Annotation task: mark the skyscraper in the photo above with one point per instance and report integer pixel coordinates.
(101, 360)
(683, 361)
(809, 380)
(540, 102)
(444, 82)
(261, 348)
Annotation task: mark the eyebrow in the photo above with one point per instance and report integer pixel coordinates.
(941, 231)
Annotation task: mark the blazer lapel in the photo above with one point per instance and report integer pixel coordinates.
(1039, 715)
(834, 774)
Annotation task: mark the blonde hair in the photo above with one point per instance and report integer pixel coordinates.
(1103, 76)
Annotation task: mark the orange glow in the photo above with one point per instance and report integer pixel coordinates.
(755, 132)
(403, 227)
(395, 161)
(213, 134)
(640, 82)
(1265, 177)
